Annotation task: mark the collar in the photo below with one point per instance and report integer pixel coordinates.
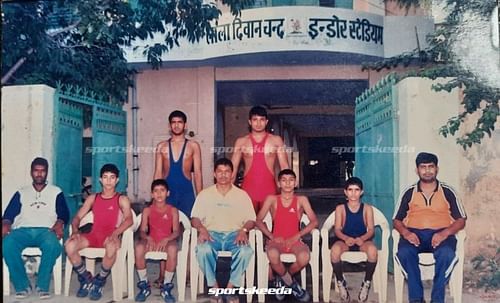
(435, 189)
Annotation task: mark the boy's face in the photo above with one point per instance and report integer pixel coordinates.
(159, 193)
(108, 180)
(353, 192)
(177, 126)
(287, 183)
(258, 123)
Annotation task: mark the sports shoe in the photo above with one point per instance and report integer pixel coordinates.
(23, 294)
(299, 293)
(43, 294)
(96, 289)
(364, 290)
(278, 283)
(166, 293)
(85, 283)
(344, 293)
(144, 291)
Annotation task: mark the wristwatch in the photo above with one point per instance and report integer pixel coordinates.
(245, 229)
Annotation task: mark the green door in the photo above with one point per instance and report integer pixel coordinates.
(68, 131)
(109, 140)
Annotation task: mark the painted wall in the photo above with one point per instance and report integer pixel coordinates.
(27, 132)
(160, 92)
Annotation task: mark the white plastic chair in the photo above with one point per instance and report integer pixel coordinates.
(35, 252)
(119, 269)
(182, 255)
(263, 262)
(426, 264)
(197, 278)
(380, 275)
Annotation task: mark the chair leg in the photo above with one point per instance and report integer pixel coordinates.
(250, 276)
(181, 276)
(67, 276)
(327, 281)
(193, 277)
(262, 277)
(315, 282)
(57, 272)
(398, 283)
(303, 278)
(6, 279)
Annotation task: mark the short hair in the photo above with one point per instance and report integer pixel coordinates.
(257, 111)
(225, 162)
(40, 161)
(110, 168)
(177, 114)
(159, 182)
(353, 181)
(425, 157)
(286, 171)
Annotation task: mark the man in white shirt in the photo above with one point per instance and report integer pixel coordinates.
(223, 214)
(35, 217)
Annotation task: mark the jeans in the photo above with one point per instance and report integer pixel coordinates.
(444, 256)
(206, 253)
(16, 241)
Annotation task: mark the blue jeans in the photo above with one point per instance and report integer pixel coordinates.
(444, 256)
(206, 253)
(16, 241)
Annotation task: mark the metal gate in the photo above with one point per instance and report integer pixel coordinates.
(72, 107)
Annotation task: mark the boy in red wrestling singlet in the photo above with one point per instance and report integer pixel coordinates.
(161, 219)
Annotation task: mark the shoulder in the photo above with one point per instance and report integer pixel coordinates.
(339, 208)
(193, 144)
(448, 189)
(408, 191)
(162, 146)
(302, 199)
(275, 139)
(124, 199)
(367, 207)
(53, 188)
(242, 140)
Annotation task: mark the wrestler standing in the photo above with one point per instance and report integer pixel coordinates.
(259, 150)
(178, 161)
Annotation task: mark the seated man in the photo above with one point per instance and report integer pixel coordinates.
(106, 232)
(286, 210)
(35, 217)
(158, 232)
(354, 229)
(428, 217)
(223, 214)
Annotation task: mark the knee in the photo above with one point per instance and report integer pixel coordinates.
(111, 248)
(444, 254)
(172, 252)
(273, 255)
(303, 258)
(372, 252)
(204, 250)
(8, 244)
(70, 247)
(407, 252)
(335, 253)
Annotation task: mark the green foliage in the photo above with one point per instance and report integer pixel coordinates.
(439, 61)
(80, 42)
(487, 271)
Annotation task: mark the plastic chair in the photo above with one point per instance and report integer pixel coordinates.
(119, 269)
(380, 275)
(35, 252)
(426, 264)
(182, 255)
(263, 262)
(197, 278)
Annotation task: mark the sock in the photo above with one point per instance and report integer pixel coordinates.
(287, 278)
(143, 274)
(169, 276)
(337, 269)
(104, 273)
(80, 269)
(370, 269)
